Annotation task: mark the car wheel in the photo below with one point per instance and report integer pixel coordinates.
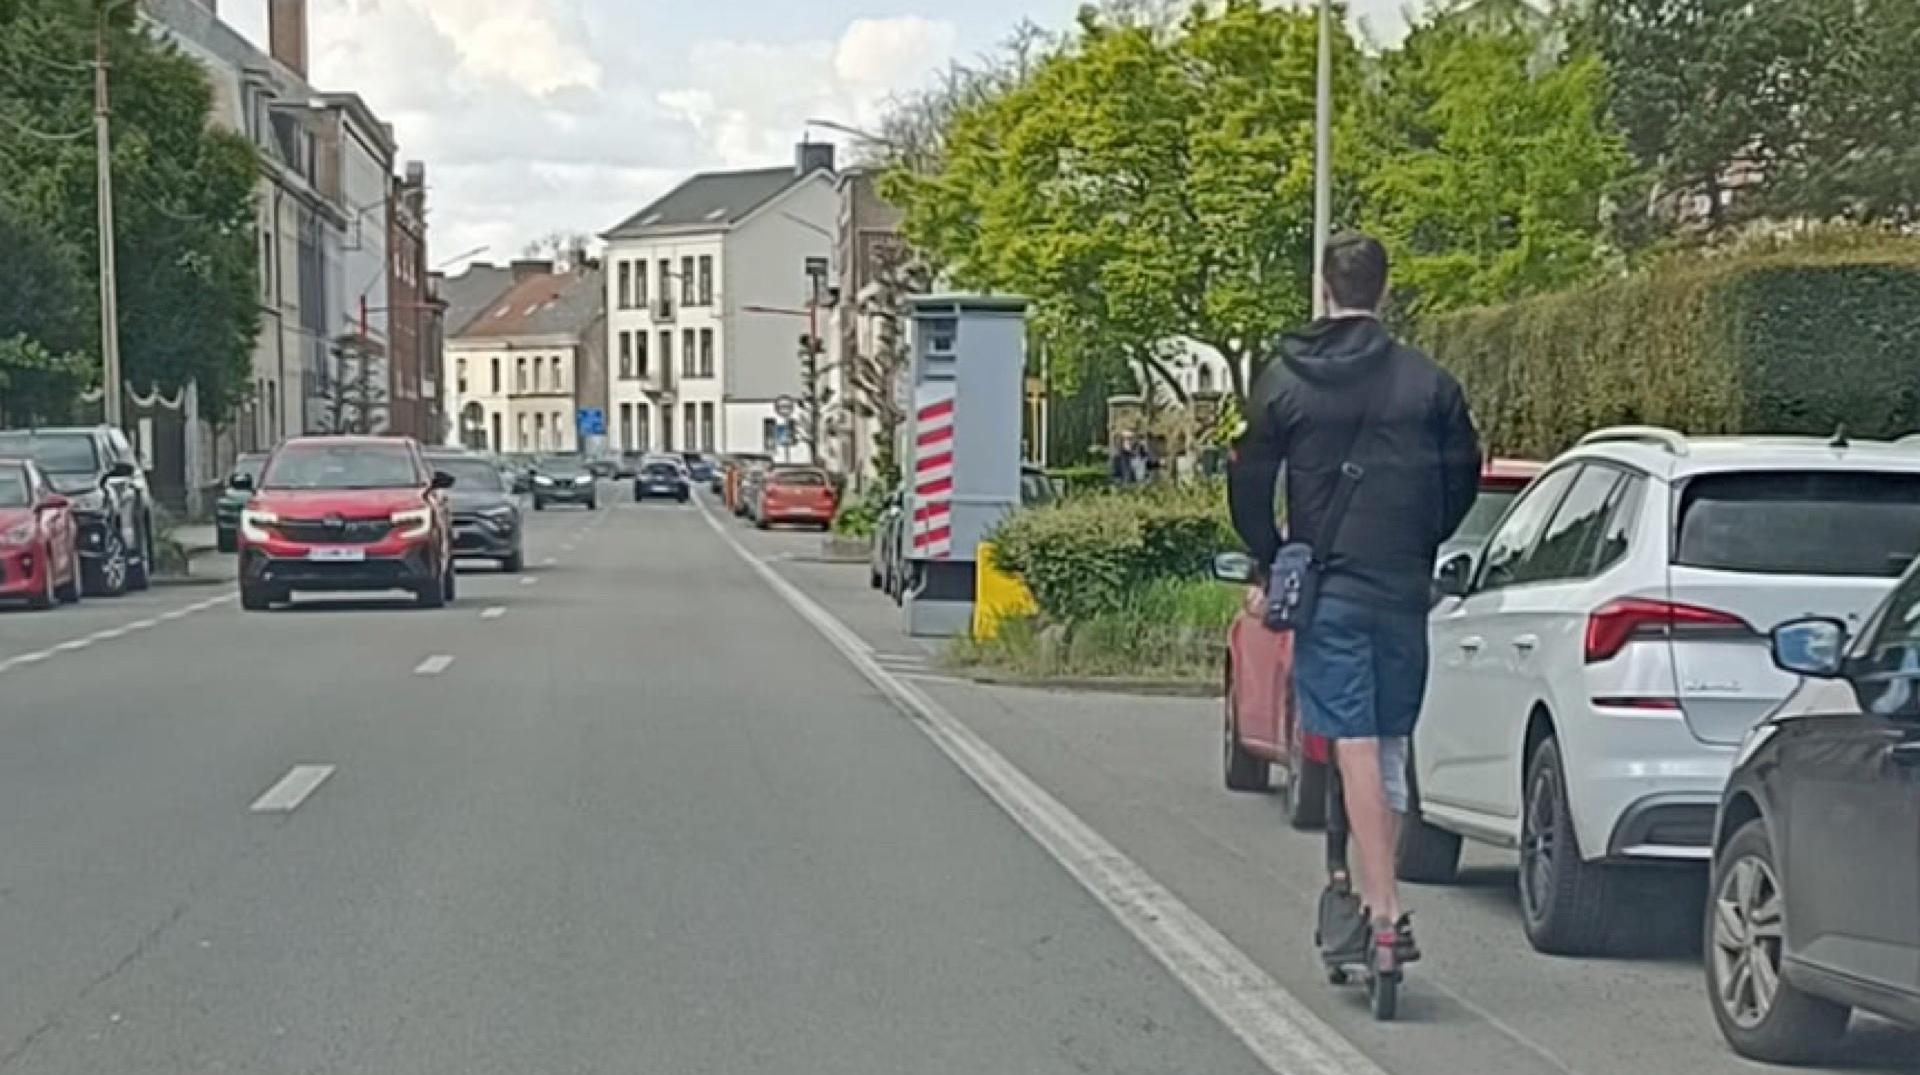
(140, 564)
(450, 583)
(227, 541)
(107, 576)
(513, 564)
(1306, 797)
(69, 591)
(593, 504)
(539, 504)
(1243, 771)
(1760, 1013)
(45, 598)
(431, 594)
(1567, 903)
(1426, 855)
(255, 598)
(638, 496)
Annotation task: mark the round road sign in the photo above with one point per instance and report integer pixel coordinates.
(783, 406)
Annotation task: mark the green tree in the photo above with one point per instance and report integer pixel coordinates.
(186, 242)
(1485, 162)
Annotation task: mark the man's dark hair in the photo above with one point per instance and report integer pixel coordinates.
(1356, 271)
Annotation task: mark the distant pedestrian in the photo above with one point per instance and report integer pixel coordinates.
(1120, 463)
(1141, 462)
(1348, 406)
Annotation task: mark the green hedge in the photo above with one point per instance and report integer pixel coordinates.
(1092, 555)
(1794, 339)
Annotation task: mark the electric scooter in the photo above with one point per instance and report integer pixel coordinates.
(1344, 935)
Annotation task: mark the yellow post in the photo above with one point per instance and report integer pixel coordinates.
(996, 595)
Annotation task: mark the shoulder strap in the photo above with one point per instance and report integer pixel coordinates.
(1351, 469)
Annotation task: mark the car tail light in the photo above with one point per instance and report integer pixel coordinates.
(1618, 622)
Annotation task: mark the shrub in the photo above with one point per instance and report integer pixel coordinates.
(1096, 554)
(1171, 629)
(1077, 480)
(1799, 338)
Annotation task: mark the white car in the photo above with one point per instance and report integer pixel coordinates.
(1596, 665)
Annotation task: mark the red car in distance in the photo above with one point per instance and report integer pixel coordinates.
(39, 553)
(1262, 729)
(346, 514)
(795, 495)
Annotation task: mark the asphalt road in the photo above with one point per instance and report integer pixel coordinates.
(632, 812)
(642, 819)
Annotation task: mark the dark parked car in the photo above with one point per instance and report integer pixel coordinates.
(564, 479)
(99, 474)
(604, 468)
(699, 467)
(486, 517)
(226, 510)
(752, 476)
(343, 514)
(1815, 905)
(662, 477)
(628, 465)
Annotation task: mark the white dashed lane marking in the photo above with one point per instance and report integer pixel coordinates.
(75, 645)
(493, 613)
(528, 580)
(434, 665)
(292, 789)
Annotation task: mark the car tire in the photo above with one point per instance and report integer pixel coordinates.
(539, 504)
(46, 598)
(593, 504)
(227, 541)
(638, 496)
(431, 594)
(1567, 904)
(515, 563)
(1426, 855)
(1306, 792)
(450, 582)
(68, 592)
(1791, 1027)
(255, 598)
(107, 575)
(140, 565)
(1242, 770)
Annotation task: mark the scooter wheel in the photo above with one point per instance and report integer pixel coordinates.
(1337, 976)
(1384, 992)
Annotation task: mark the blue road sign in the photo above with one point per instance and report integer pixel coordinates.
(783, 434)
(592, 422)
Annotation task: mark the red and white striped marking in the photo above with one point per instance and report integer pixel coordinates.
(933, 472)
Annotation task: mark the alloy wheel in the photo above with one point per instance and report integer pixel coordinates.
(113, 564)
(1749, 922)
(1537, 841)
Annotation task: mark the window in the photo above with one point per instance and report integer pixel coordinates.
(1206, 377)
(461, 372)
(1515, 537)
(640, 355)
(520, 375)
(1827, 523)
(665, 287)
(640, 283)
(626, 427)
(539, 431)
(266, 265)
(687, 292)
(692, 426)
(497, 446)
(767, 434)
(559, 428)
(1571, 541)
(666, 352)
(625, 298)
(520, 433)
(706, 427)
(689, 356)
(559, 375)
(642, 431)
(538, 364)
(706, 352)
(626, 356)
(1887, 669)
(706, 280)
(496, 376)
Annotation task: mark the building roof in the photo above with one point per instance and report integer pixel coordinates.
(543, 304)
(472, 293)
(709, 200)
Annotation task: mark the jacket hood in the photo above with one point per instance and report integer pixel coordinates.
(1336, 350)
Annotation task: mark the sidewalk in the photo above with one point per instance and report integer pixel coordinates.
(205, 562)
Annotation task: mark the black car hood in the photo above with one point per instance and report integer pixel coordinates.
(477, 501)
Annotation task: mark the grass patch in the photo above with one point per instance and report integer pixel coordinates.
(1171, 629)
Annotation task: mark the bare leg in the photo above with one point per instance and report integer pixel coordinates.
(1373, 824)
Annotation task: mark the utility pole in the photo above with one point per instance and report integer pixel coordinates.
(1322, 157)
(109, 307)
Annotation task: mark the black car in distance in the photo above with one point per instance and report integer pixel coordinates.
(564, 479)
(96, 469)
(486, 516)
(662, 478)
(1815, 905)
(233, 499)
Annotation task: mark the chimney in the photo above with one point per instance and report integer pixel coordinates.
(812, 157)
(287, 34)
(528, 268)
(416, 187)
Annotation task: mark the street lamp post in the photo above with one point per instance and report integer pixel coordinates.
(1322, 156)
(110, 374)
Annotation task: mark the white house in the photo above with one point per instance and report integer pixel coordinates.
(708, 296)
(525, 365)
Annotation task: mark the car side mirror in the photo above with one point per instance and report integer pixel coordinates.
(1454, 576)
(55, 502)
(1814, 647)
(121, 469)
(442, 480)
(1234, 567)
(240, 481)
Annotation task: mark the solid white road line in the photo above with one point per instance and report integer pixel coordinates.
(528, 580)
(286, 796)
(75, 645)
(493, 613)
(434, 665)
(1286, 1037)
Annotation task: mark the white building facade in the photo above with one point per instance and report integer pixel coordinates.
(524, 367)
(707, 297)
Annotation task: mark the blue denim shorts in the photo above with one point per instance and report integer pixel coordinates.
(1360, 672)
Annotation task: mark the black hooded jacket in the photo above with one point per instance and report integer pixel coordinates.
(1422, 459)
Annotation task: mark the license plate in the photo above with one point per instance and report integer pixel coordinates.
(337, 556)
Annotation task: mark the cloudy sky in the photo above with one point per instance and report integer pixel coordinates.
(537, 116)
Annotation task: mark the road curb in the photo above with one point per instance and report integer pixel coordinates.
(1153, 688)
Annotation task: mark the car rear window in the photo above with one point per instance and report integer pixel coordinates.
(13, 487)
(57, 453)
(1800, 523)
(662, 470)
(809, 478)
(342, 466)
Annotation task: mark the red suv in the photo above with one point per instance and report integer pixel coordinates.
(1262, 729)
(346, 513)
